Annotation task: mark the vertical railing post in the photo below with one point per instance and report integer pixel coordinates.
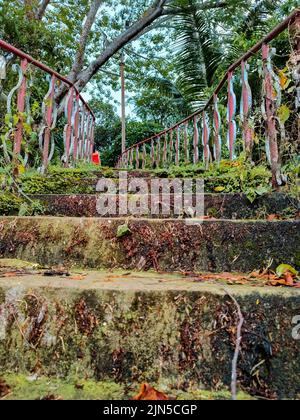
(131, 157)
(217, 129)
(68, 127)
(171, 147)
(231, 116)
(144, 156)
(177, 145)
(196, 141)
(165, 148)
(21, 108)
(81, 134)
(48, 119)
(295, 33)
(246, 105)
(88, 138)
(270, 116)
(152, 153)
(76, 130)
(186, 144)
(205, 140)
(137, 157)
(158, 151)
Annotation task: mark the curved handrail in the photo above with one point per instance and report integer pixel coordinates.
(78, 133)
(9, 48)
(295, 16)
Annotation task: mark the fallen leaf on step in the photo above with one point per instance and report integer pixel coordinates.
(10, 274)
(79, 277)
(56, 273)
(289, 279)
(150, 394)
(4, 388)
(51, 397)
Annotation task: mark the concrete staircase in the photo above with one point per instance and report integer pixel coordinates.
(155, 320)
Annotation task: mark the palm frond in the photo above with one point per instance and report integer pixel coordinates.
(197, 56)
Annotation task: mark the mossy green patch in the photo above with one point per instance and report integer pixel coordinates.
(15, 204)
(123, 230)
(30, 388)
(9, 203)
(26, 387)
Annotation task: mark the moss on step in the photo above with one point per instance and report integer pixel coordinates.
(168, 245)
(227, 177)
(31, 387)
(9, 203)
(178, 339)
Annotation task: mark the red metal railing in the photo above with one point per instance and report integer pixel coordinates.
(208, 121)
(78, 132)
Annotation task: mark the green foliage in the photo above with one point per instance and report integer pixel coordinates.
(283, 268)
(13, 204)
(25, 389)
(123, 230)
(135, 132)
(228, 177)
(9, 204)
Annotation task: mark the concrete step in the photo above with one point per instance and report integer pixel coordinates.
(218, 206)
(170, 330)
(168, 245)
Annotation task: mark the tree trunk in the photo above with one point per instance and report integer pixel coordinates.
(84, 76)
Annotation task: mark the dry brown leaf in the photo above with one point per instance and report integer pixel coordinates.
(10, 274)
(289, 279)
(4, 388)
(79, 277)
(150, 394)
(272, 217)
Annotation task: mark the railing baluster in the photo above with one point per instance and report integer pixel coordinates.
(131, 157)
(246, 106)
(158, 151)
(137, 157)
(76, 130)
(87, 137)
(186, 144)
(171, 147)
(217, 129)
(21, 108)
(93, 139)
(177, 145)
(49, 121)
(144, 156)
(127, 159)
(205, 139)
(196, 141)
(68, 126)
(152, 153)
(165, 148)
(269, 112)
(231, 116)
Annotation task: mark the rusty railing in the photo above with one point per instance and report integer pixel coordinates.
(173, 145)
(28, 123)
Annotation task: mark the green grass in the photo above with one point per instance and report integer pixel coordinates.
(25, 388)
(29, 388)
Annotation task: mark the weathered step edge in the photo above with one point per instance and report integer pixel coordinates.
(175, 338)
(167, 245)
(220, 206)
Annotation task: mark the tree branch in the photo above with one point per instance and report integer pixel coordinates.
(237, 346)
(86, 29)
(153, 13)
(42, 9)
(201, 6)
